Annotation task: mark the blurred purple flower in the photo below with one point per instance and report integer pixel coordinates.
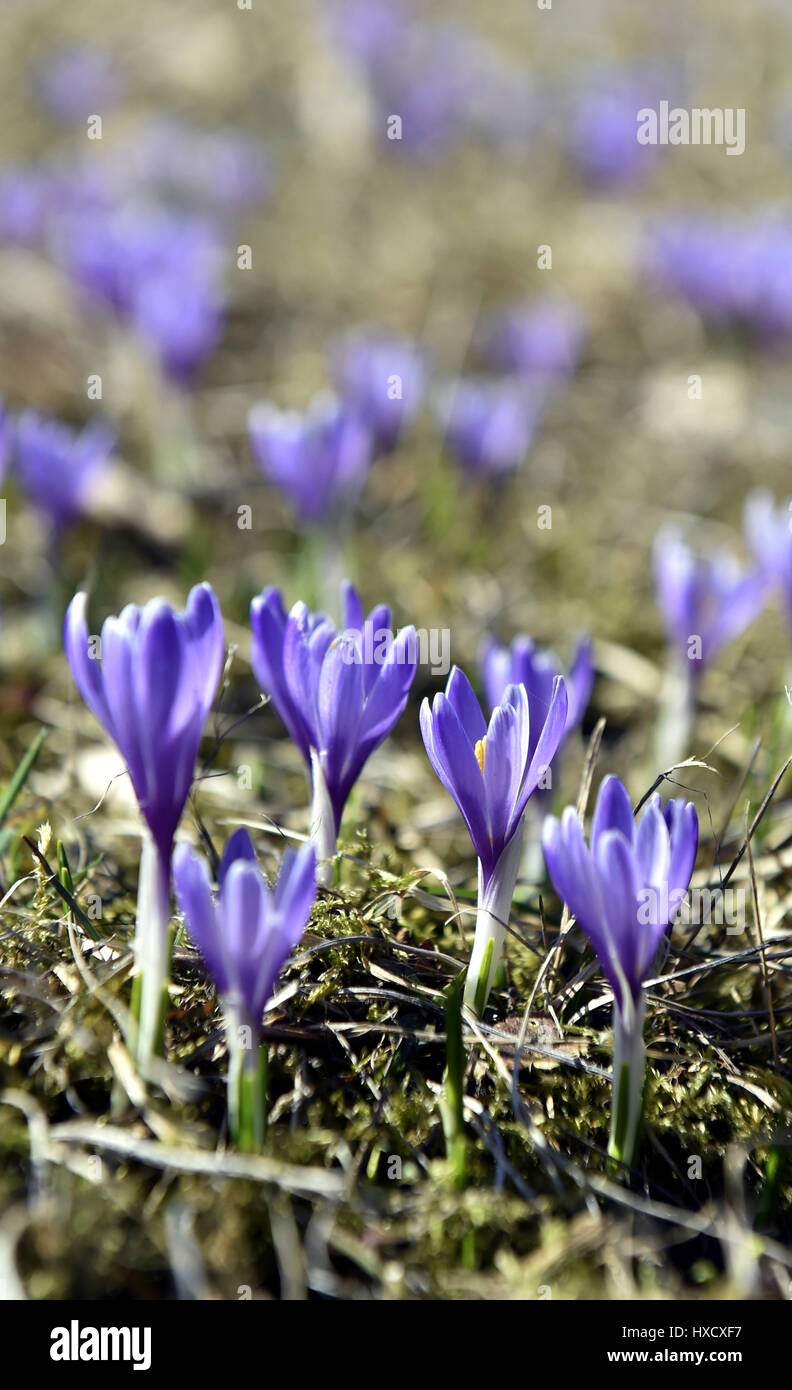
(157, 268)
(57, 465)
(729, 268)
(490, 425)
(371, 31)
(319, 460)
(247, 932)
(768, 534)
(541, 336)
(624, 890)
(705, 601)
(382, 380)
(604, 143)
(522, 663)
(339, 694)
(181, 321)
(25, 195)
(79, 80)
(491, 771)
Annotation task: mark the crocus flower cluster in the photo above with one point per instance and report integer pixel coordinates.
(318, 460)
(158, 269)
(149, 679)
(245, 935)
(491, 770)
(445, 83)
(339, 694)
(146, 228)
(623, 889)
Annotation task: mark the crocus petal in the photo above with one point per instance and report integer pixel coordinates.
(237, 846)
(194, 896)
(461, 695)
(613, 811)
(85, 669)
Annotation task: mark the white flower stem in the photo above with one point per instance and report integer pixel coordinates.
(677, 714)
(323, 828)
(152, 950)
(494, 903)
(629, 1066)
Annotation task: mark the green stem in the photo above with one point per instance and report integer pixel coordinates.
(492, 914)
(248, 1075)
(629, 1066)
(453, 1101)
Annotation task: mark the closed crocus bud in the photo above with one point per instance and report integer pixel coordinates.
(490, 425)
(624, 888)
(491, 771)
(339, 694)
(150, 679)
(58, 465)
(245, 933)
(319, 460)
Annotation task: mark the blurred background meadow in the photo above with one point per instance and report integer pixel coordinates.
(212, 215)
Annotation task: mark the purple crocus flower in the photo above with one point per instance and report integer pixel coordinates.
(604, 144)
(58, 465)
(180, 319)
(382, 379)
(150, 679)
(523, 663)
(339, 694)
(491, 771)
(157, 269)
(624, 890)
(79, 80)
(768, 534)
(319, 460)
(705, 601)
(245, 934)
(730, 268)
(490, 425)
(543, 336)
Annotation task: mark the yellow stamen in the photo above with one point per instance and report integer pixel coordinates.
(479, 751)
